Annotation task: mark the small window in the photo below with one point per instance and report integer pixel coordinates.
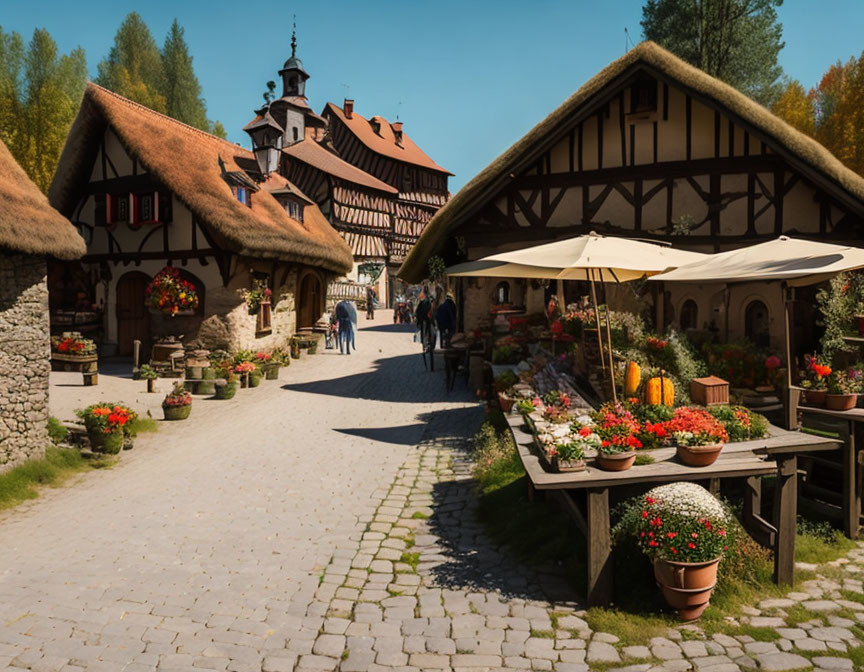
(244, 196)
(689, 315)
(294, 210)
(147, 208)
(757, 326)
(502, 293)
(296, 134)
(643, 96)
(264, 324)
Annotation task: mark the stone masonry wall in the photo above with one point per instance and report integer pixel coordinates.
(24, 358)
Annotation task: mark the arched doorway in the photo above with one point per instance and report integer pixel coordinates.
(689, 315)
(310, 301)
(757, 326)
(133, 317)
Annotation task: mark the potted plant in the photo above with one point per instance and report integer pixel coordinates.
(503, 382)
(268, 365)
(226, 388)
(170, 294)
(177, 404)
(859, 317)
(207, 386)
(107, 426)
(682, 528)
(815, 382)
(244, 371)
(617, 453)
(569, 454)
(842, 391)
(698, 436)
(148, 373)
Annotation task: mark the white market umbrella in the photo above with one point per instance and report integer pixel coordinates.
(590, 257)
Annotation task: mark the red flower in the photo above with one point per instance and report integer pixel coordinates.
(585, 431)
(653, 543)
(671, 535)
(691, 545)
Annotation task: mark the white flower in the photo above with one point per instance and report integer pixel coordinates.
(688, 499)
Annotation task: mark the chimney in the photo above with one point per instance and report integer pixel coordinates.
(397, 131)
(348, 108)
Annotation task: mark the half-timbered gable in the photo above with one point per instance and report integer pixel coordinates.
(654, 148)
(147, 192)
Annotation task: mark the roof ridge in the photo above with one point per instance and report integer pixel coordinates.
(162, 115)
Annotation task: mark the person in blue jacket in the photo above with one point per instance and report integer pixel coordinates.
(445, 318)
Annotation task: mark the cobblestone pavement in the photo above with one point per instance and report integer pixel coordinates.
(374, 561)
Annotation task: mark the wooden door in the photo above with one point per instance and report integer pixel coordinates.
(309, 307)
(133, 317)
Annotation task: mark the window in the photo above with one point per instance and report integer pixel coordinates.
(294, 210)
(757, 327)
(502, 293)
(689, 315)
(264, 324)
(296, 134)
(243, 195)
(643, 96)
(147, 208)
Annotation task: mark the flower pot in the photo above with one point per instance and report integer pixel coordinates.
(687, 586)
(208, 388)
(860, 320)
(840, 402)
(565, 466)
(226, 391)
(244, 380)
(176, 412)
(272, 372)
(312, 349)
(254, 378)
(505, 402)
(699, 456)
(109, 444)
(815, 397)
(616, 461)
(151, 385)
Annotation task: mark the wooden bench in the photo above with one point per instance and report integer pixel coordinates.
(776, 454)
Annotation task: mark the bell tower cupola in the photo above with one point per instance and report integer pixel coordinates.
(292, 73)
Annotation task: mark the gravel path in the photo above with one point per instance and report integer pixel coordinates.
(204, 547)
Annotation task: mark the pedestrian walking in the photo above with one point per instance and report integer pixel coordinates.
(343, 318)
(352, 309)
(445, 318)
(371, 297)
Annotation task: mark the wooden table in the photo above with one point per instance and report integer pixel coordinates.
(852, 462)
(775, 454)
(88, 365)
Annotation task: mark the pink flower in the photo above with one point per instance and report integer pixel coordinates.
(772, 362)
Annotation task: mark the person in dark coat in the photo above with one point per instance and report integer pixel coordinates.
(445, 318)
(371, 297)
(343, 319)
(423, 315)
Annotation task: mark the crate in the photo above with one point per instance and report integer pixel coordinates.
(710, 391)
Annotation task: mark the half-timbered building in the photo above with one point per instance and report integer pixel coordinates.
(374, 184)
(654, 148)
(147, 191)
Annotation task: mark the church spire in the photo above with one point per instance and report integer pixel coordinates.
(293, 75)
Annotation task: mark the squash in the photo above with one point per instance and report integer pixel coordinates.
(632, 379)
(660, 390)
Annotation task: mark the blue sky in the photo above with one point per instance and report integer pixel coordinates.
(468, 78)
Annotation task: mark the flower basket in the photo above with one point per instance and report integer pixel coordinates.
(109, 443)
(271, 372)
(699, 456)
(815, 397)
(687, 586)
(176, 412)
(254, 378)
(505, 402)
(567, 466)
(170, 294)
(615, 461)
(226, 391)
(840, 402)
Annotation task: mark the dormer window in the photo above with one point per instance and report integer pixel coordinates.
(243, 195)
(296, 132)
(643, 96)
(294, 210)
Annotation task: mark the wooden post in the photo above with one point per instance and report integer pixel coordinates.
(851, 500)
(785, 513)
(609, 344)
(787, 323)
(599, 547)
(136, 353)
(752, 504)
(597, 321)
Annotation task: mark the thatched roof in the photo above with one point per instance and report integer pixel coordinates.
(186, 161)
(28, 223)
(800, 150)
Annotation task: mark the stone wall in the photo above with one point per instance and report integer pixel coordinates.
(24, 358)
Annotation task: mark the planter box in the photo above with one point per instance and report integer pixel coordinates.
(710, 391)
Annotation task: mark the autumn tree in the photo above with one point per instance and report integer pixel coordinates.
(40, 91)
(737, 41)
(133, 67)
(795, 106)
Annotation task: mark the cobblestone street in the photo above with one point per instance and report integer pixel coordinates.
(327, 522)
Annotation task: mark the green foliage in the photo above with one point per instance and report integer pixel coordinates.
(737, 41)
(21, 482)
(740, 363)
(505, 381)
(817, 541)
(182, 89)
(56, 431)
(839, 304)
(147, 372)
(40, 91)
(740, 423)
(437, 268)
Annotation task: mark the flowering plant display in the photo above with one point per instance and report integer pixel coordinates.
(73, 344)
(840, 382)
(254, 297)
(504, 381)
(245, 367)
(695, 427)
(169, 293)
(620, 443)
(740, 423)
(815, 374)
(557, 398)
(263, 357)
(178, 396)
(656, 343)
(107, 418)
(679, 522)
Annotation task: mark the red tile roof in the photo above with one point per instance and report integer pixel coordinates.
(385, 143)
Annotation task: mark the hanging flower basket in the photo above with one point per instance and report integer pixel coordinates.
(170, 294)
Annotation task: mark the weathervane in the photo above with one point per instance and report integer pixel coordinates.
(294, 38)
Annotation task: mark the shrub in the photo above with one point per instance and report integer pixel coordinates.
(56, 431)
(740, 423)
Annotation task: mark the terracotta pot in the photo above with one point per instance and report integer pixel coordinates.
(563, 467)
(699, 456)
(176, 412)
(687, 586)
(505, 402)
(815, 397)
(616, 461)
(840, 402)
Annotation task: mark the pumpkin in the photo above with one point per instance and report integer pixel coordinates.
(632, 378)
(660, 390)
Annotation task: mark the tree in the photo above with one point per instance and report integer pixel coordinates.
(40, 91)
(737, 41)
(133, 67)
(795, 106)
(217, 129)
(181, 87)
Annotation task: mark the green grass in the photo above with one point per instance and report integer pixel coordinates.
(143, 425)
(23, 482)
(56, 431)
(411, 559)
(631, 628)
(643, 458)
(543, 634)
(419, 515)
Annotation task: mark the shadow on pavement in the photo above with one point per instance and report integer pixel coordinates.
(389, 328)
(405, 435)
